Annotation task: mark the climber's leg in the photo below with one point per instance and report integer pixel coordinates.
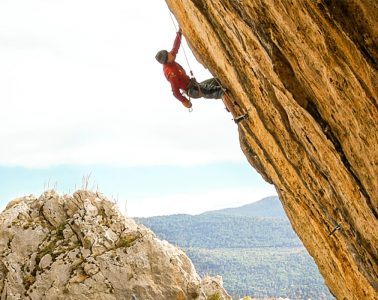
(194, 92)
(231, 108)
(211, 89)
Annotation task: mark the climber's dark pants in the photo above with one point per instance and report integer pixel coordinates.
(209, 89)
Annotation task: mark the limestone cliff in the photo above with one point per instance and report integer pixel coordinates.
(81, 247)
(305, 71)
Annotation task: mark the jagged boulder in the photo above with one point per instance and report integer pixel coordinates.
(81, 247)
(305, 72)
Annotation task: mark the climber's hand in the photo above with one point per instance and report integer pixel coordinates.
(187, 104)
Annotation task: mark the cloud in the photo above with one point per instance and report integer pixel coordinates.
(122, 140)
(88, 90)
(79, 86)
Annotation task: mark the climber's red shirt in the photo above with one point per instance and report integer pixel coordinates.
(175, 73)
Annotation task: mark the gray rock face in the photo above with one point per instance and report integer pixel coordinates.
(81, 247)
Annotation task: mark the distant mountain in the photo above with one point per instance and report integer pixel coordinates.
(269, 207)
(253, 247)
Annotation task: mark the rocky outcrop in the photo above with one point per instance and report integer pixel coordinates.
(305, 72)
(81, 247)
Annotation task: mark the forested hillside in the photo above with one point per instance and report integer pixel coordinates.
(257, 256)
(223, 231)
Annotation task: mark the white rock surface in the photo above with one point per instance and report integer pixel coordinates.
(81, 247)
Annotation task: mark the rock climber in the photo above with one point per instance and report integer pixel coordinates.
(180, 81)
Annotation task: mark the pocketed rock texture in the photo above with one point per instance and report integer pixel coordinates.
(81, 247)
(305, 72)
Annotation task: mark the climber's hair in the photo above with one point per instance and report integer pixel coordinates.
(162, 56)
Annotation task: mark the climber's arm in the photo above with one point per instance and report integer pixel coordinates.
(180, 97)
(176, 44)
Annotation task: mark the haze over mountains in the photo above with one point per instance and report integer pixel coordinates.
(269, 207)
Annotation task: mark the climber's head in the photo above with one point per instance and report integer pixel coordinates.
(165, 57)
(162, 56)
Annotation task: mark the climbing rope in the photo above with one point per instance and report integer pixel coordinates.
(182, 46)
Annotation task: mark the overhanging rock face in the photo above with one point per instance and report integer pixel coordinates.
(306, 74)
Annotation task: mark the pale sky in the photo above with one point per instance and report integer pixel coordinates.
(80, 87)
